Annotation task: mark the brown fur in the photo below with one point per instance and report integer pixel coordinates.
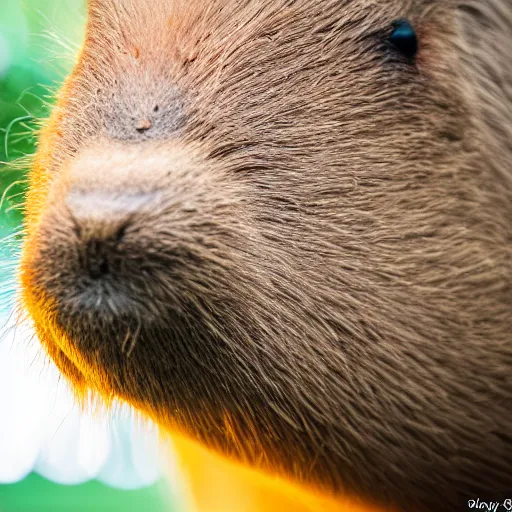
(309, 248)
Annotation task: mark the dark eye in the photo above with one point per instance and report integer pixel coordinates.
(404, 38)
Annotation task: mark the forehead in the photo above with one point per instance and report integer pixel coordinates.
(157, 12)
(197, 44)
(162, 24)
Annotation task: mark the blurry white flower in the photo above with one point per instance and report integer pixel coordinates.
(43, 430)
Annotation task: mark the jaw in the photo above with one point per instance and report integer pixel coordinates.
(237, 487)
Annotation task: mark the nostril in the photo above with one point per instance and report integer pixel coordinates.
(96, 261)
(121, 232)
(100, 246)
(100, 223)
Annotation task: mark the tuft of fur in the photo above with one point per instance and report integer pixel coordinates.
(315, 275)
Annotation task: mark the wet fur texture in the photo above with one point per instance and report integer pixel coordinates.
(309, 248)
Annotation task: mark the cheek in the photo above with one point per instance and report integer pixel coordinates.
(42, 172)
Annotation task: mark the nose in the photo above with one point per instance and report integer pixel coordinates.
(100, 222)
(109, 228)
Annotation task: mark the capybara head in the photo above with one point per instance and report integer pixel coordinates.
(284, 228)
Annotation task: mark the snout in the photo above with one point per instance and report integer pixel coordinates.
(123, 230)
(91, 263)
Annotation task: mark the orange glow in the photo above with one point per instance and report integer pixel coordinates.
(216, 484)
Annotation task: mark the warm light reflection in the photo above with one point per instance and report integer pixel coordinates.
(216, 484)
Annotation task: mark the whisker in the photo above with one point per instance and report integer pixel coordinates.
(125, 342)
(134, 340)
(8, 132)
(6, 191)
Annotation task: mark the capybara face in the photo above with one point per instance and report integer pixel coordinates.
(284, 229)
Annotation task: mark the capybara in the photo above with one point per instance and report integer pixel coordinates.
(283, 230)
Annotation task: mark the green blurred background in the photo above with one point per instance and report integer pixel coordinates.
(35, 494)
(38, 42)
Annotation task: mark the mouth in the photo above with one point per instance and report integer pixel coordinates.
(59, 352)
(95, 360)
(151, 363)
(91, 346)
